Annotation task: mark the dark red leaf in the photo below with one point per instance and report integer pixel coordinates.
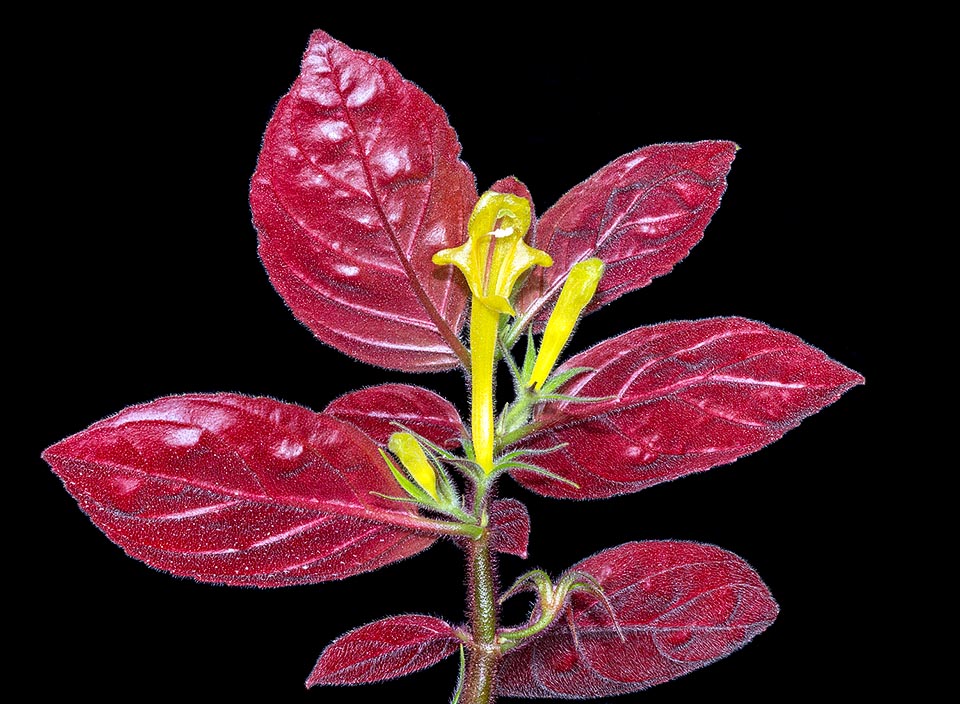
(509, 527)
(385, 649)
(679, 606)
(239, 490)
(358, 184)
(374, 410)
(511, 184)
(688, 396)
(640, 214)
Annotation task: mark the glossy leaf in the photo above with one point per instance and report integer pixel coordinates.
(679, 606)
(509, 527)
(239, 490)
(385, 649)
(375, 409)
(687, 396)
(640, 215)
(358, 184)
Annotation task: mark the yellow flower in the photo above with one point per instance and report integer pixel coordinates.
(492, 259)
(495, 255)
(577, 292)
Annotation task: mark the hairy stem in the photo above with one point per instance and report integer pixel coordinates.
(484, 653)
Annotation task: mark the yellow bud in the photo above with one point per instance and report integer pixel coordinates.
(577, 292)
(415, 461)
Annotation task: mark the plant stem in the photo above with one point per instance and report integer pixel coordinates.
(484, 654)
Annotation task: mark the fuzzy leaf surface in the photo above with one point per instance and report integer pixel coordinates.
(687, 396)
(358, 184)
(510, 527)
(382, 650)
(640, 214)
(375, 409)
(239, 490)
(679, 606)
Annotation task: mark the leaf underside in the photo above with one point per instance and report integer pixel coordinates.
(239, 490)
(640, 214)
(679, 606)
(391, 647)
(686, 396)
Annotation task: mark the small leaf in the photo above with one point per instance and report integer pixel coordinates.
(509, 527)
(687, 396)
(358, 184)
(376, 409)
(679, 606)
(238, 490)
(382, 650)
(640, 215)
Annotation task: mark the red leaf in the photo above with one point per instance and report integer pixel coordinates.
(358, 184)
(640, 214)
(385, 649)
(688, 396)
(510, 527)
(239, 490)
(679, 606)
(374, 410)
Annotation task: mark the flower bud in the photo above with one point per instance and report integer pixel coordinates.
(577, 292)
(415, 461)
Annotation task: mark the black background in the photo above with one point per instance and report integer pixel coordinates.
(145, 282)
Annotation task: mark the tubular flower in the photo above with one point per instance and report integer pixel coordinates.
(577, 292)
(495, 255)
(492, 259)
(415, 461)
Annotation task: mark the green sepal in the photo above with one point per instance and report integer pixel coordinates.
(529, 359)
(526, 466)
(534, 580)
(575, 399)
(510, 456)
(586, 582)
(461, 678)
(557, 380)
(400, 499)
(502, 419)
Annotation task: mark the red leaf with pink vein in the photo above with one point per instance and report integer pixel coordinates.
(640, 214)
(385, 649)
(239, 490)
(679, 606)
(688, 396)
(375, 409)
(358, 184)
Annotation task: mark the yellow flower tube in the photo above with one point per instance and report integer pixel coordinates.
(577, 292)
(492, 259)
